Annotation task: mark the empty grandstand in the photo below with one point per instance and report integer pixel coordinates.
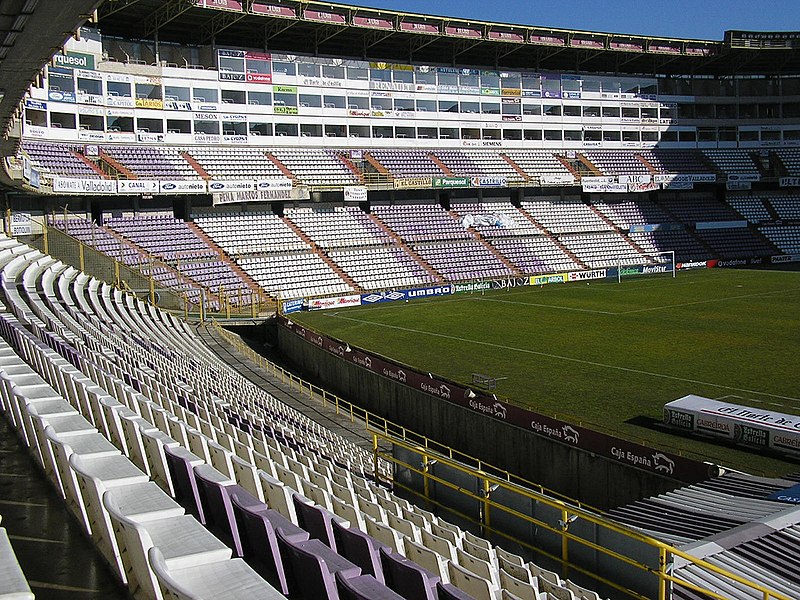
(180, 161)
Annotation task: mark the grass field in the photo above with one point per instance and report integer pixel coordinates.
(608, 355)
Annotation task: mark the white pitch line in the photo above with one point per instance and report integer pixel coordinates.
(709, 301)
(568, 359)
(553, 306)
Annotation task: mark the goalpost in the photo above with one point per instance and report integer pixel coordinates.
(664, 263)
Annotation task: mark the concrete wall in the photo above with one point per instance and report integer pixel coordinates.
(579, 474)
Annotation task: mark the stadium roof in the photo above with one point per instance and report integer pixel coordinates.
(326, 29)
(31, 31)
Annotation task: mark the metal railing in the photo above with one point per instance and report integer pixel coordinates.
(492, 479)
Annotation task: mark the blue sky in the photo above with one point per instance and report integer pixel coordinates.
(687, 19)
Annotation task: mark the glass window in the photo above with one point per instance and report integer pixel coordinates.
(489, 79)
(425, 77)
(310, 130)
(553, 135)
(381, 103)
(260, 128)
(310, 100)
(149, 90)
(90, 86)
(171, 92)
(593, 135)
(512, 134)
(468, 80)
(233, 96)
(260, 98)
(286, 129)
(630, 136)
(357, 102)
(669, 136)
(231, 64)
(357, 73)
(770, 136)
(380, 75)
(612, 136)
(334, 101)
(531, 109)
(448, 78)
(748, 136)
(649, 136)
(531, 81)
(552, 110)
(286, 68)
(123, 89)
(404, 104)
(704, 111)
(572, 135)
(198, 94)
(426, 105)
(448, 106)
(285, 99)
(470, 107)
(403, 76)
(152, 125)
(179, 126)
(612, 112)
(532, 134)
(727, 134)
(687, 136)
(629, 112)
(591, 111)
(308, 69)
(332, 72)
(511, 81)
(649, 113)
(490, 108)
(572, 111)
(512, 109)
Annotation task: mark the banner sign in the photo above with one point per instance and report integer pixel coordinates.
(468, 288)
(137, 186)
(74, 60)
(450, 182)
(427, 292)
(744, 177)
(293, 306)
(545, 279)
(696, 264)
(512, 282)
(231, 186)
(738, 185)
(334, 302)
(741, 424)
(601, 187)
(785, 258)
(355, 193)
(556, 179)
(604, 445)
(685, 177)
(587, 275)
(789, 182)
(186, 186)
(68, 185)
(721, 225)
(379, 297)
(489, 182)
(21, 224)
(408, 183)
(279, 183)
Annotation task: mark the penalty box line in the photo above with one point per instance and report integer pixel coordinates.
(563, 358)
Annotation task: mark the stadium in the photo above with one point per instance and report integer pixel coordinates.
(308, 300)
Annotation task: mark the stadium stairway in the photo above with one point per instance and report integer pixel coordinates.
(349, 164)
(410, 251)
(92, 165)
(554, 239)
(322, 254)
(486, 244)
(196, 166)
(117, 167)
(254, 287)
(515, 166)
(282, 167)
(438, 162)
(376, 164)
(619, 231)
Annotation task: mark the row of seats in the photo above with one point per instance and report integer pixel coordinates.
(106, 362)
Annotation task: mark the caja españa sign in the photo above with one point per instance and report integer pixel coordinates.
(607, 446)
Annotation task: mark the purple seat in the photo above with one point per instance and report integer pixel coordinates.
(181, 471)
(447, 591)
(363, 587)
(257, 525)
(407, 578)
(311, 566)
(360, 549)
(315, 520)
(216, 502)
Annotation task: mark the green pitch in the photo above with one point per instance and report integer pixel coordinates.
(608, 355)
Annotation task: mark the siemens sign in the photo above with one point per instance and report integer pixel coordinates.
(74, 60)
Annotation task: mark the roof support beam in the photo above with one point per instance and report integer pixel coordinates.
(169, 11)
(217, 24)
